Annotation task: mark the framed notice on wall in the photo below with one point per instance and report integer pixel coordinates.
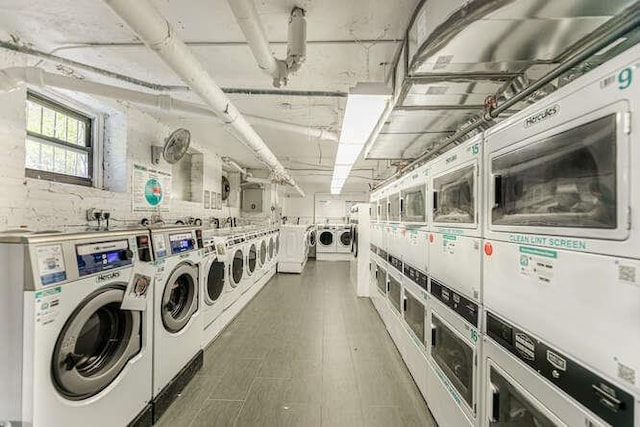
(151, 189)
(218, 201)
(207, 199)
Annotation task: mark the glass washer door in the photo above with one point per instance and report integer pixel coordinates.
(508, 406)
(263, 251)
(215, 282)
(95, 344)
(326, 238)
(345, 238)
(413, 205)
(237, 267)
(271, 247)
(180, 297)
(454, 197)
(252, 258)
(414, 315)
(395, 293)
(454, 356)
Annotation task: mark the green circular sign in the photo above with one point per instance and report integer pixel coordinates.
(153, 192)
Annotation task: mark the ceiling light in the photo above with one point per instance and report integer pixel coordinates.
(365, 105)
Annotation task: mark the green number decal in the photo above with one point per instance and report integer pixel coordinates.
(625, 77)
(474, 335)
(475, 149)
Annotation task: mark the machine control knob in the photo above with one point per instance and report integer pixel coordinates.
(126, 255)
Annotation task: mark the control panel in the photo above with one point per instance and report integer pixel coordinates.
(97, 257)
(182, 242)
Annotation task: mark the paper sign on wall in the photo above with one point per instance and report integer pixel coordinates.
(207, 199)
(151, 189)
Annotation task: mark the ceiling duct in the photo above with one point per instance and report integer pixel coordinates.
(279, 69)
(156, 32)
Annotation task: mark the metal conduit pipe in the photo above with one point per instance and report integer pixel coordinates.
(156, 32)
(630, 20)
(11, 78)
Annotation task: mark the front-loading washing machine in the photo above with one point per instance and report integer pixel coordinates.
(252, 264)
(236, 267)
(213, 283)
(454, 350)
(76, 328)
(344, 238)
(327, 240)
(178, 326)
(263, 243)
(529, 382)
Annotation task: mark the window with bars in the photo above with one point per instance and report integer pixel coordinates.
(59, 142)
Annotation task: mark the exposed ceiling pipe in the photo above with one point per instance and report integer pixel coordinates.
(247, 17)
(233, 164)
(11, 78)
(156, 32)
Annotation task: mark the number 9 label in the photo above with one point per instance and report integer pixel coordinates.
(625, 78)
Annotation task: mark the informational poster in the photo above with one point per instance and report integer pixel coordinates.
(151, 189)
(207, 199)
(218, 200)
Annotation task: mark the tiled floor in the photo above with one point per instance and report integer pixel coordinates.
(305, 352)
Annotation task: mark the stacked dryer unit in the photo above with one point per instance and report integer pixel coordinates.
(533, 305)
(177, 339)
(76, 325)
(562, 257)
(296, 241)
(359, 267)
(455, 269)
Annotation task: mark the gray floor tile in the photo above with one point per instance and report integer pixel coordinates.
(305, 352)
(218, 413)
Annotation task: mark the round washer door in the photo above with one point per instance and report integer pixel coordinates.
(326, 238)
(180, 297)
(252, 258)
(312, 238)
(271, 247)
(345, 238)
(277, 243)
(263, 252)
(95, 344)
(215, 282)
(237, 267)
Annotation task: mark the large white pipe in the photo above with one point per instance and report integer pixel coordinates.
(247, 17)
(11, 78)
(156, 32)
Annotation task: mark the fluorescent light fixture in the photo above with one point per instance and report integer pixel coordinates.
(365, 105)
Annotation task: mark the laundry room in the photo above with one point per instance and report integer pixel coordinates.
(320, 213)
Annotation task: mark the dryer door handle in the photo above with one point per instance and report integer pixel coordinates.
(495, 403)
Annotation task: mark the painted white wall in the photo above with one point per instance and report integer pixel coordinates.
(319, 206)
(128, 136)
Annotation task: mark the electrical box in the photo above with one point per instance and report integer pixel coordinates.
(252, 198)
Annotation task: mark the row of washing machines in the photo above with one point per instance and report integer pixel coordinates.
(334, 242)
(108, 327)
(508, 269)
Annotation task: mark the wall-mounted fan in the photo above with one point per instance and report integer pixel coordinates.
(226, 188)
(174, 149)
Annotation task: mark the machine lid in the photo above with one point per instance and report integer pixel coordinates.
(215, 282)
(326, 238)
(95, 344)
(237, 268)
(180, 297)
(252, 258)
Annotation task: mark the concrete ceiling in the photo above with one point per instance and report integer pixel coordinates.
(340, 53)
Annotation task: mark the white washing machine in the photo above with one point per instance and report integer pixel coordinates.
(76, 329)
(456, 235)
(178, 329)
(312, 237)
(344, 239)
(529, 382)
(454, 371)
(236, 268)
(295, 248)
(263, 249)
(213, 283)
(327, 239)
